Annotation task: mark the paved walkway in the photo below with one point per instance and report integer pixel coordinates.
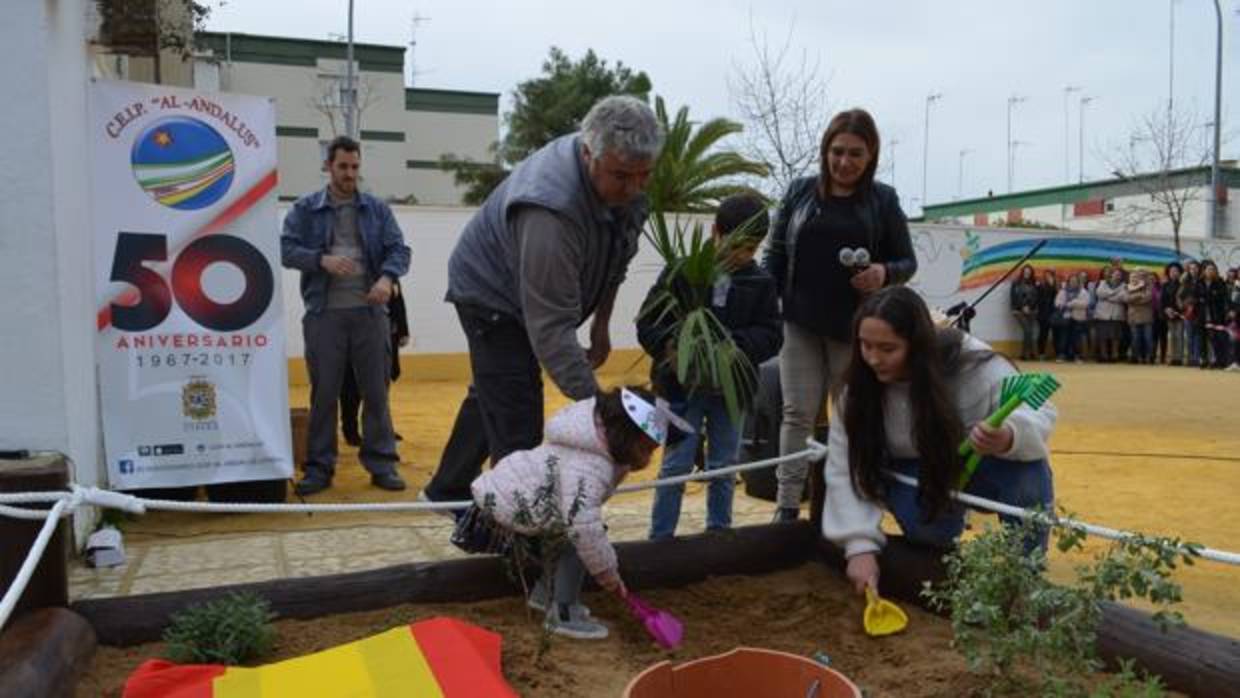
(213, 560)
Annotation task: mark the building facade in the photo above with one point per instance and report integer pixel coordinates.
(404, 131)
(1125, 205)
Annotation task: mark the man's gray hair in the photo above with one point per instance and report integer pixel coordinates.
(623, 125)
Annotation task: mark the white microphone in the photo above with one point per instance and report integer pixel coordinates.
(848, 257)
(861, 259)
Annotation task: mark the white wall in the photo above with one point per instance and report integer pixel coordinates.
(431, 231)
(1196, 221)
(48, 383)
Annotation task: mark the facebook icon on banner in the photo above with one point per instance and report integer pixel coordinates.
(126, 467)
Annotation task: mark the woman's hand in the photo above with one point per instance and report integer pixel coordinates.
(862, 571)
(991, 441)
(870, 279)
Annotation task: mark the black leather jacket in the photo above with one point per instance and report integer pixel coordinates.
(878, 208)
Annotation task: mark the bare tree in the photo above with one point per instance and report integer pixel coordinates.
(1161, 146)
(328, 98)
(782, 101)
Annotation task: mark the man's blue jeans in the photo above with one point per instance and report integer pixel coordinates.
(722, 444)
(1025, 484)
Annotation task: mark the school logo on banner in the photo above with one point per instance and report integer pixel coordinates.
(183, 163)
(198, 400)
(190, 321)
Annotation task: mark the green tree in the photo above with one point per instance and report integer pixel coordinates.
(554, 103)
(690, 173)
(544, 108)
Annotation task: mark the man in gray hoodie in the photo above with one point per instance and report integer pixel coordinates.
(548, 249)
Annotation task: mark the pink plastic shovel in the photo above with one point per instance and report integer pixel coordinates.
(665, 628)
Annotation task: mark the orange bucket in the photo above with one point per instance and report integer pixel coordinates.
(742, 673)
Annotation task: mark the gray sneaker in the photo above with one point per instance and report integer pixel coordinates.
(569, 622)
(539, 596)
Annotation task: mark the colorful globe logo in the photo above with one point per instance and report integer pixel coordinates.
(182, 163)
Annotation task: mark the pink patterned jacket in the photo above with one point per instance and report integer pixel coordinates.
(573, 448)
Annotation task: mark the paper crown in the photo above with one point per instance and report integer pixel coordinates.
(652, 419)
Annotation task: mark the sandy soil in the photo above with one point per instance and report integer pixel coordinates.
(1148, 448)
(803, 611)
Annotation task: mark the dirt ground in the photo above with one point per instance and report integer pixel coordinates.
(802, 611)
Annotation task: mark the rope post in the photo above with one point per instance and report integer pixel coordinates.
(49, 586)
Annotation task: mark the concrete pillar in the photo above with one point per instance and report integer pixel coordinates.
(47, 378)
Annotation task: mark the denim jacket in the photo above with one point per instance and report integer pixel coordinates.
(308, 235)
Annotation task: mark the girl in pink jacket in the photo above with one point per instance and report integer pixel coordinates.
(559, 488)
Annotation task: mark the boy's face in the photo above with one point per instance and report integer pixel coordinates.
(733, 252)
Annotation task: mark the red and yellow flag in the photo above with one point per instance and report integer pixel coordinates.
(436, 658)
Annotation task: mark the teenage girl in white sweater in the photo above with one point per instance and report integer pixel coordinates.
(912, 392)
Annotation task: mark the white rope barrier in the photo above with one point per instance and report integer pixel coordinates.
(1026, 514)
(18, 587)
(65, 503)
(814, 451)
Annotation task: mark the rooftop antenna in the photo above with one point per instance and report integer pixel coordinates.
(413, 43)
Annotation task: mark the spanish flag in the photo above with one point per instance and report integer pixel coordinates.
(436, 658)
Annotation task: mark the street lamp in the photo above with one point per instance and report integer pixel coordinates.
(1080, 155)
(1011, 102)
(960, 173)
(925, 156)
(350, 95)
(1015, 145)
(1218, 117)
(1067, 166)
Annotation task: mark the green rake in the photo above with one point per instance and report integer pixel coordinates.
(1032, 389)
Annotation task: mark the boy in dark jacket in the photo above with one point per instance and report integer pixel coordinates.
(746, 303)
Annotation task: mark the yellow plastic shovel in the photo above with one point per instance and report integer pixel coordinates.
(882, 617)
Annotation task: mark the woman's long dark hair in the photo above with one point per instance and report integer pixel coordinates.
(934, 356)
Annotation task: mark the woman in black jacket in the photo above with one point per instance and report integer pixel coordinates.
(1212, 316)
(1023, 299)
(838, 236)
(1048, 288)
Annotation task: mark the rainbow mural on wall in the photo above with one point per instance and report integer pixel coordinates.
(984, 266)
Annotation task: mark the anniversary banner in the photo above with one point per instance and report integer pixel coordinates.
(190, 342)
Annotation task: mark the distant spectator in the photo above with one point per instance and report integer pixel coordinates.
(1139, 298)
(1158, 353)
(1169, 300)
(1024, 305)
(1212, 302)
(1110, 313)
(1187, 299)
(1048, 288)
(1072, 302)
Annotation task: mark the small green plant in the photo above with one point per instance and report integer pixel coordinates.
(1029, 635)
(231, 630)
(542, 513)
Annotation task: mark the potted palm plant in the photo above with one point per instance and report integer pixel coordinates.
(692, 175)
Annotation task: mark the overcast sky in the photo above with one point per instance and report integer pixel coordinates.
(883, 55)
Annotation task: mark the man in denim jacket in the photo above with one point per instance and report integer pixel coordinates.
(350, 251)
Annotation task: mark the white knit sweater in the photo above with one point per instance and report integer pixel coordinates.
(851, 521)
(575, 445)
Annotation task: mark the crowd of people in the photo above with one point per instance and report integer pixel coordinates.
(1187, 315)
(548, 251)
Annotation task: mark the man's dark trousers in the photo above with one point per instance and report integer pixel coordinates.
(353, 339)
(503, 410)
